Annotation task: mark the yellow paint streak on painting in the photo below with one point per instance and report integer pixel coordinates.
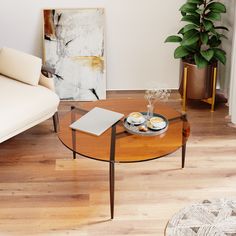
(95, 63)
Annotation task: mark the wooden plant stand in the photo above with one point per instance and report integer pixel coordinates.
(210, 100)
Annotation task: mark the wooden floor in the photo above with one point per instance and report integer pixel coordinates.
(44, 192)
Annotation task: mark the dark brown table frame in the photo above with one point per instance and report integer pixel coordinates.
(112, 161)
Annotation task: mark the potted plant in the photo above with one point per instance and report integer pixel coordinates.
(200, 41)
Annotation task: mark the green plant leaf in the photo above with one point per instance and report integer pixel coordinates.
(215, 16)
(190, 37)
(221, 27)
(200, 61)
(173, 39)
(195, 1)
(192, 19)
(183, 13)
(204, 37)
(188, 7)
(208, 54)
(222, 36)
(189, 27)
(180, 52)
(208, 25)
(220, 55)
(181, 31)
(192, 48)
(196, 14)
(216, 7)
(213, 31)
(214, 41)
(200, 11)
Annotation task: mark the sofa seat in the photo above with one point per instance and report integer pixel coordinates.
(22, 106)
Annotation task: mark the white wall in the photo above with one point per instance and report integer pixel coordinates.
(232, 100)
(136, 29)
(225, 70)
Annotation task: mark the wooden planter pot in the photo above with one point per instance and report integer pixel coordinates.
(199, 81)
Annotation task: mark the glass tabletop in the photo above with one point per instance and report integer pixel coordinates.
(128, 147)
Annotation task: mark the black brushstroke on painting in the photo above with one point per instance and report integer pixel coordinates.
(94, 92)
(69, 42)
(59, 17)
(47, 38)
(59, 77)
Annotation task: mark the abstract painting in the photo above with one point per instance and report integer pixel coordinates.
(74, 48)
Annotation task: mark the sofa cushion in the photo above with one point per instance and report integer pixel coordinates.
(22, 104)
(20, 66)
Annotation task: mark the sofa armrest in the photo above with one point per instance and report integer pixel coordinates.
(47, 82)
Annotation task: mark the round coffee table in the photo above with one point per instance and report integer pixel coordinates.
(118, 146)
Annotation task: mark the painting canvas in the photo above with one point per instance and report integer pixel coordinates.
(74, 48)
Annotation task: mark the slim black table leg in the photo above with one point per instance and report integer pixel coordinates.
(184, 138)
(74, 142)
(73, 117)
(183, 154)
(112, 169)
(55, 122)
(112, 188)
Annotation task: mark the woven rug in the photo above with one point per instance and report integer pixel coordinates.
(207, 218)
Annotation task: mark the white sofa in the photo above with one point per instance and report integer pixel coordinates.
(26, 96)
